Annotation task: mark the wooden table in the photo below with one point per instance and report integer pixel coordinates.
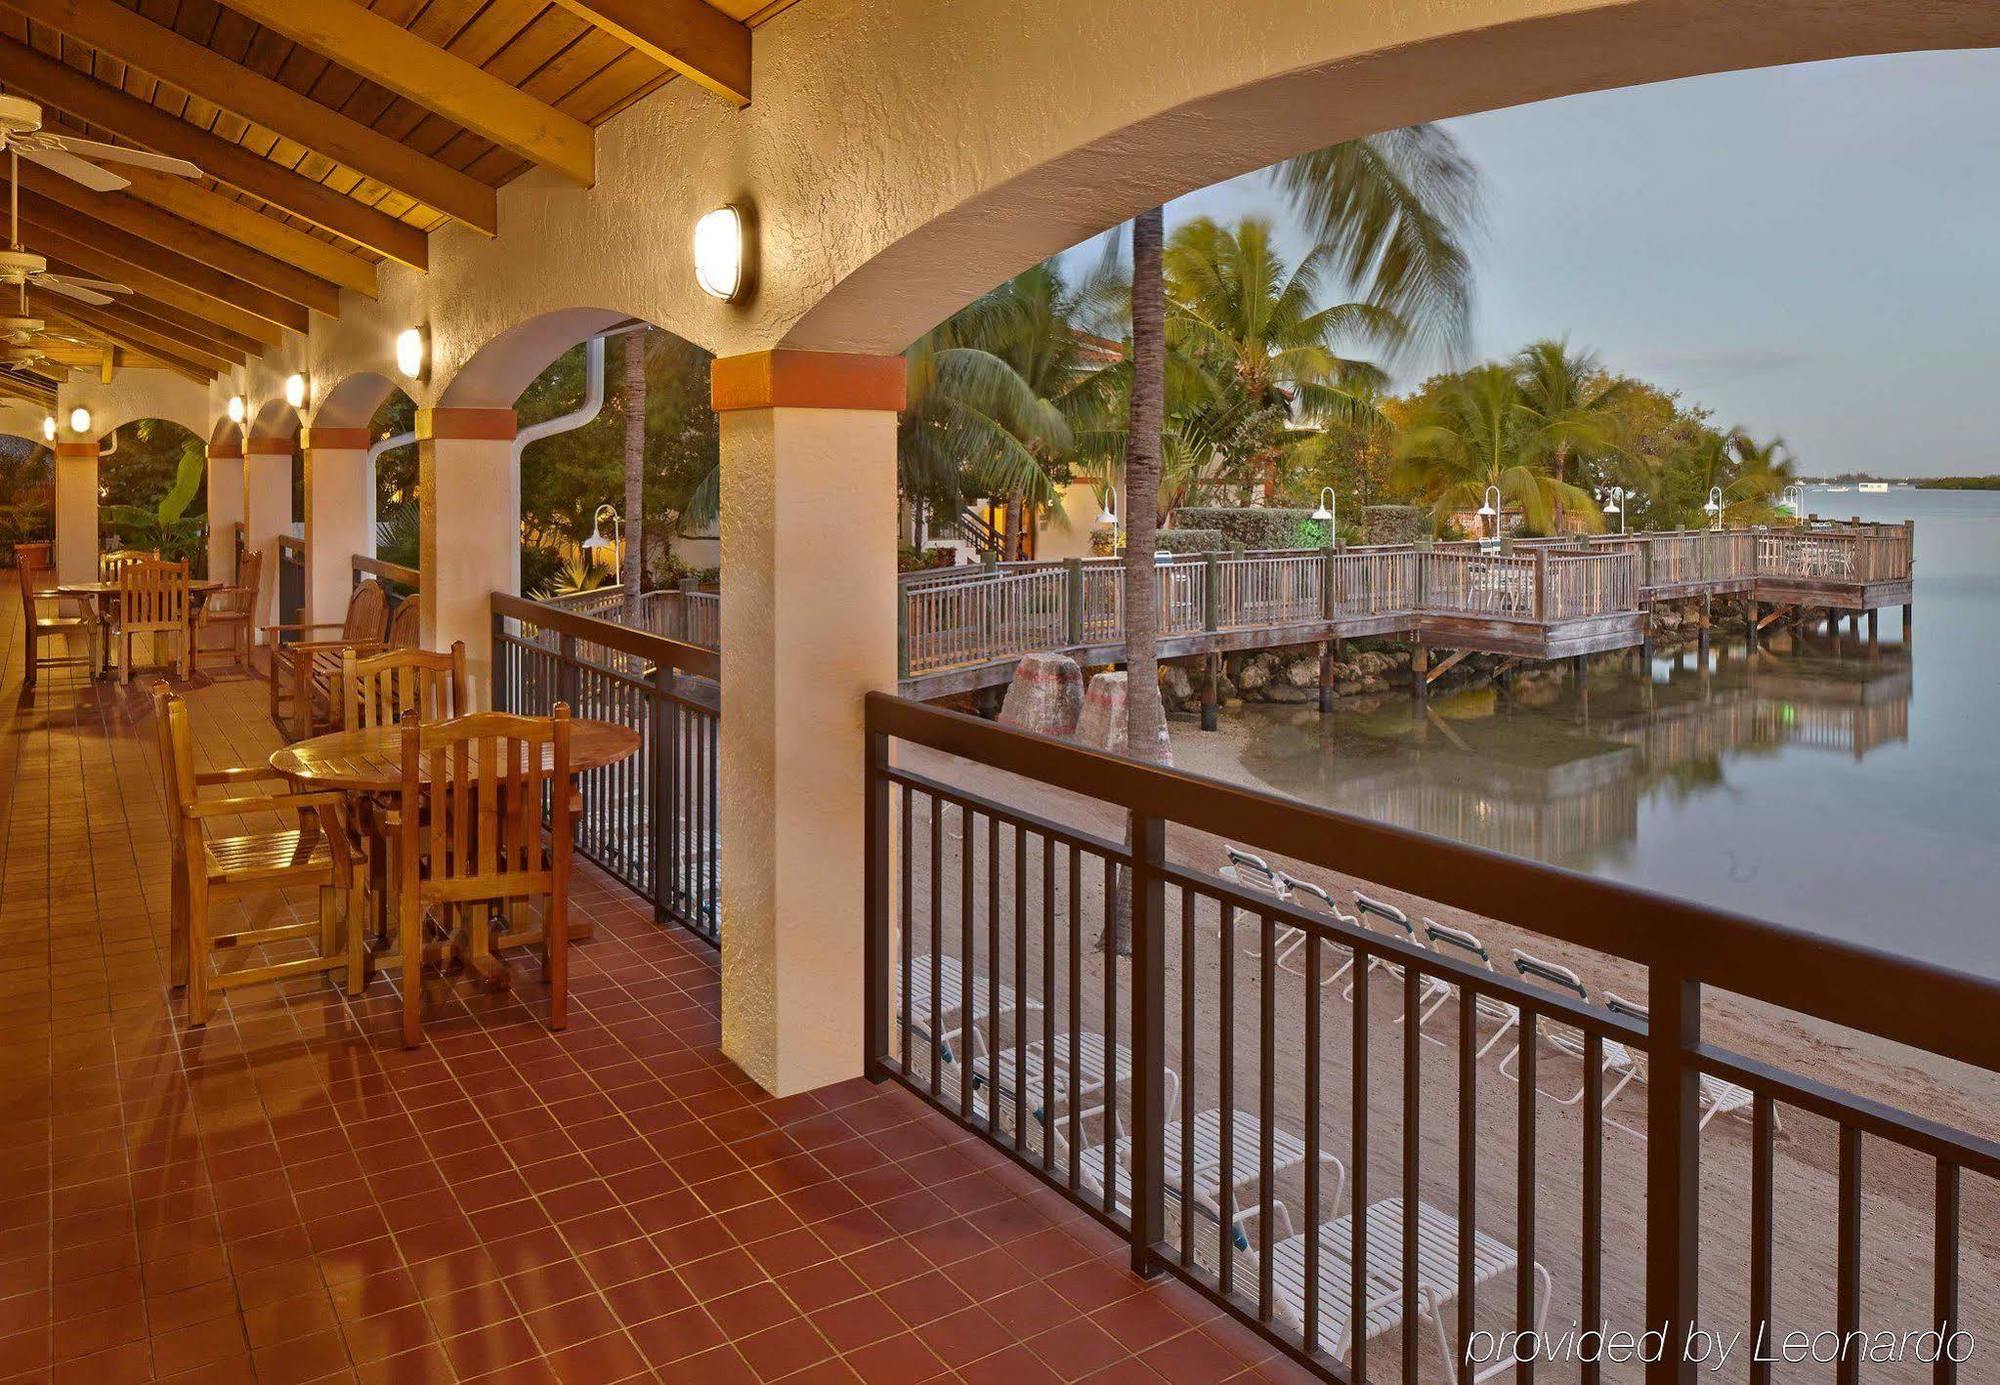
(99, 595)
(371, 762)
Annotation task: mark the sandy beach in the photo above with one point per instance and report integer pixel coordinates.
(1898, 1186)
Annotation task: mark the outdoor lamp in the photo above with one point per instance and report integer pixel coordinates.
(1329, 505)
(1615, 505)
(1107, 513)
(597, 543)
(79, 419)
(412, 352)
(49, 428)
(721, 249)
(295, 390)
(1713, 509)
(238, 409)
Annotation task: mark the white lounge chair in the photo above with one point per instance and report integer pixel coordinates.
(1254, 873)
(1448, 940)
(1295, 939)
(1288, 1151)
(1393, 922)
(950, 999)
(1002, 1070)
(1717, 1096)
(1437, 1277)
(1566, 1038)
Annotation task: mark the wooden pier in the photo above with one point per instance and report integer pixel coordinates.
(963, 629)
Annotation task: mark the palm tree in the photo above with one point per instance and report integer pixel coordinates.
(1751, 476)
(1146, 717)
(635, 470)
(1474, 432)
(1570, 407)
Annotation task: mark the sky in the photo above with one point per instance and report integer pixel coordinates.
(1810, 251)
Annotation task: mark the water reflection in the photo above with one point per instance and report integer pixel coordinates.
(1560, 773)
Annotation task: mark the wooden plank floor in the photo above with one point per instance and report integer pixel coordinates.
(289, 1196)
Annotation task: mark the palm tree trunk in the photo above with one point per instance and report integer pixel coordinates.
(635, 471)
(1146, 717)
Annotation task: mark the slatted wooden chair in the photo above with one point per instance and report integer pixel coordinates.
(406, 625)
(109, 565)
(379, 690)
(478, 840)
(306, 673)
(40, 621)
(234, 608)
(210, 870)
(152, 601)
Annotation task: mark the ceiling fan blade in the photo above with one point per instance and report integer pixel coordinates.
(77, 170)
(120, 154)
(68, 290)
(95, 285)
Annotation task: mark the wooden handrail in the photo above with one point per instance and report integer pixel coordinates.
(654, 649)
(381, 567)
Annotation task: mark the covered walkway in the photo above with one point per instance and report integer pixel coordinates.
(289, 1195)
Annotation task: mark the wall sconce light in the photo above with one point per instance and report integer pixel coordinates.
(79, 420)
(413, 352)
(239, 408)
(722, 254)
(295, 390)
(49, 428)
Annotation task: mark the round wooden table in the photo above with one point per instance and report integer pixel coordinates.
(99, 595)
(372, 761)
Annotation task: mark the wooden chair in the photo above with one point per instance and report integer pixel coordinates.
(211, 870)
(406, 625)
(37, 582)
(306, 674)
(152, 600)
(480, 840)
(381, 689)
(234, 608)
(109, 565)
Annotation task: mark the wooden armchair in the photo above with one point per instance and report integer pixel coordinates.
(305, 674)
(480, 841)
(152, 600)
(234, 609)
(109, 565)
(406, 625)
(209, 870)
(378, 690)
(37, 582)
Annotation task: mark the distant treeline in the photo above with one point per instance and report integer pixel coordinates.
(1958, 483)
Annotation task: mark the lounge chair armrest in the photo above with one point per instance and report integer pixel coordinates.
(300, 628)
(241, 804)
(242, 774)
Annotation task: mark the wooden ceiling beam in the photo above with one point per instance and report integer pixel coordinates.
(207, 75)
(178, 357)
(42, 219)
(391, 56)
(198, 243)
(17, 388)
(690, 37)
(140, 329)
(247, 226)
(88, 262)
(58, 84)
(162, 317)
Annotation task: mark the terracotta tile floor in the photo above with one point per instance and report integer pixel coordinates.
(290, 1196)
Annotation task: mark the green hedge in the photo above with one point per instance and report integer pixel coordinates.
(1255, 527)
(1191, 541)
(1394, 524)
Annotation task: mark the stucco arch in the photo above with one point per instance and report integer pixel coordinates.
(353, 401)
(226, 437)
(1138, 114)
(494, 376)
(274, 421)
(133, 395)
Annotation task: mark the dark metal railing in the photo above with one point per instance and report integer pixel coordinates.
(651, 820)
(1191, 1097)
(291, 580)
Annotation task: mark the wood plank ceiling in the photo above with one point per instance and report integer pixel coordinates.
(334, 134)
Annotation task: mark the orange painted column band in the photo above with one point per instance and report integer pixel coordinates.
(807, 380)
(466, 425)
(336, 439)
(76, 449)
(269, 447)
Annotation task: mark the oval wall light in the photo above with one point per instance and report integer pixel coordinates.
(722, 253)
(295, 390)
(239, 408)
(49, 428)
(412, 352)
(79, 419)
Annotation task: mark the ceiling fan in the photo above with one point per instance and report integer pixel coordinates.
(70, 155)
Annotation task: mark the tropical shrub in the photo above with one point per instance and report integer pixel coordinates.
(1191, 541)
(1254, 527)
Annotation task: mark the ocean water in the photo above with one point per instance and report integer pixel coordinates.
(1816, 784)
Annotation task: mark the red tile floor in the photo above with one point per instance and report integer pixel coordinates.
(289, 1196)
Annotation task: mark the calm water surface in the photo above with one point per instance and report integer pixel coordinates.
(1851, 795)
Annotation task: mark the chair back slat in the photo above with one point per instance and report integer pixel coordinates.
(406, 626)
(380, 689)
(367, 613)
(109, 565)
(153, 595)
(487, 776)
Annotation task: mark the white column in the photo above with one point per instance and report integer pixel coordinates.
(267, 512)
(225, 508)
(469, 505)
(340, 515)
(808, 627)
(76, 510)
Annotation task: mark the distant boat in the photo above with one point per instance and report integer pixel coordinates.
(1837, 488)
(1874, 487)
